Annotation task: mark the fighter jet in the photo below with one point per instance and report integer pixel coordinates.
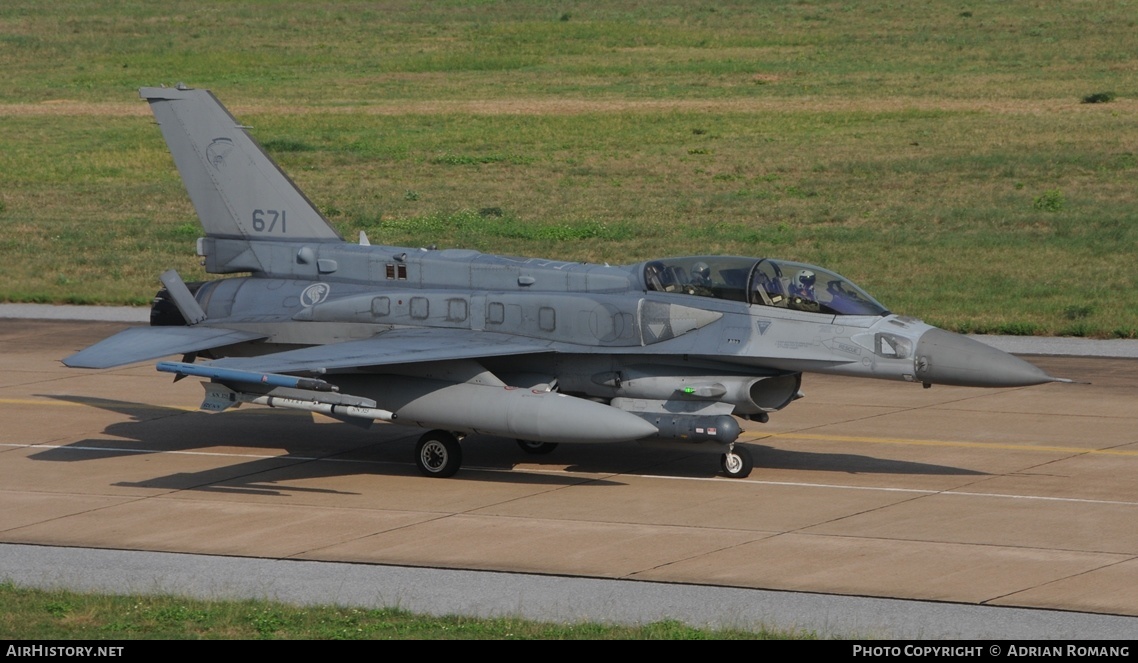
(669, 352)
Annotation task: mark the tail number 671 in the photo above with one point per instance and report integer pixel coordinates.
(269, 220)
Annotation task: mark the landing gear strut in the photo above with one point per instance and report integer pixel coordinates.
(438, 454)
(737, 462)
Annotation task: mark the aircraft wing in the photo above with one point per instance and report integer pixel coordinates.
(144, 343)
(398, 346)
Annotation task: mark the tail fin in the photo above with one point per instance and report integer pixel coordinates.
(239, 192)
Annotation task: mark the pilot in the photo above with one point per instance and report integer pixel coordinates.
(700, 281)
(701, 274)
(802, 295)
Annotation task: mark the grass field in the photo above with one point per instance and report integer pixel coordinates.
(31, 615)
(944, 155)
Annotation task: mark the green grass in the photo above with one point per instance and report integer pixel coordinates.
(944, 158)
(39, 615)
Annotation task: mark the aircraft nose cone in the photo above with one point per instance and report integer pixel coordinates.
(946, 358)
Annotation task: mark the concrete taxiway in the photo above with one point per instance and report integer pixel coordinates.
(1020, 498)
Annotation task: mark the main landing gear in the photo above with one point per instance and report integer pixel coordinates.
(536, 448)
(737, 462)
(438, 454)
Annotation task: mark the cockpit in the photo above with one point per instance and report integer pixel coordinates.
(761, 282)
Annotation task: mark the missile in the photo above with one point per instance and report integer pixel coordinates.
(375, 414)
(183, 369)
(218, 397)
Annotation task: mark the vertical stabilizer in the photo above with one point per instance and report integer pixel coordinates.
(237, 190)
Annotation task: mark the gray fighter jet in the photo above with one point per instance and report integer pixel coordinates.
(670, 352)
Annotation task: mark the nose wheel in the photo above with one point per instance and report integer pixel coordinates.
(438, 454)
(736, 463)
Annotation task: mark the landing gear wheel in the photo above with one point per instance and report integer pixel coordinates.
(438, 454)
(736, 463)
(537, 448)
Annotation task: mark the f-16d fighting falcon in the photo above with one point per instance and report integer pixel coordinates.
(674, 351)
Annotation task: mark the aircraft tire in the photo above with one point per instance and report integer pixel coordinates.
(537, 448)
(737, 463)
(438, 454)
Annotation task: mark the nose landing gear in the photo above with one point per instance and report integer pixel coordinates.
(737, 462)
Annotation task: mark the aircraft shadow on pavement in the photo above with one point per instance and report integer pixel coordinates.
(293, 446)
(782, 459)
(590, 459)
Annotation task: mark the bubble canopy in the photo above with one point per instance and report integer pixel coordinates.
(761, 282)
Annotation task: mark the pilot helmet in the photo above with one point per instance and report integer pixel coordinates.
(701, 271)
(806, 278)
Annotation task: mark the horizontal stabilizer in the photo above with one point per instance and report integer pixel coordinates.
(146, 343)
